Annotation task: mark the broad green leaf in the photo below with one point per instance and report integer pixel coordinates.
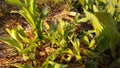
(95, 22)
(52, 57)
(11, 42)
(45, 64)
(82, 2)
(9, 32)
(83, 20)
(60, 27)
(15, 2)
(102, 23)
(14, 34)
(111, 6)
(76, 48)
(22, 34)
(92, 43)
(33, 7)
(85, 38)
(95, 8)
(78, 57)
(56, 65)
(69, 51)
(51, 37)
(106, 20)
(31, 19)
(118, 4)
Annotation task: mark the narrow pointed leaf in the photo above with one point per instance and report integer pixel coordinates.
(15, 2)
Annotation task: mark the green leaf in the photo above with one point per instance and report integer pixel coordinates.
(86, 39)
(31, 19)
(56, 65)
(31, 6)
(112, 34)
(76, 45)
(22, 65)
(57, 52)
(11, 42)
(68, 50)
(15, 2)
(82, 2)
(52, 26)
(95, 8)
(44, 13)
(76, 48)
(105, 29)
(14, 34)
(60, 26)
(89, 53)
(95, 22)
(104, 1)
(111, 6)
(92, 43)
(22, 34)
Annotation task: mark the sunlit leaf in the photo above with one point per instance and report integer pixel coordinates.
(104, 1)
(14, 34)
(22, 34)
(31, 6)
(11, 42)
(95, 8)
(102, 23)
(15, 2)
(85, 38)
(95, 22)
(82, 2)
(56, 65)
(92, 43)
(61, 26)
(111, 6)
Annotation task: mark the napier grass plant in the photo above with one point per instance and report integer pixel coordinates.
(18, 37)
(103, 15)
(59, 35)
(102, 18)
